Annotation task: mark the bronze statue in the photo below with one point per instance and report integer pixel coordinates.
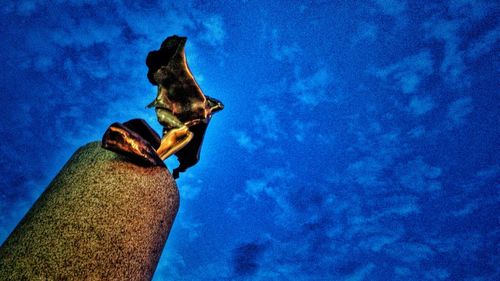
(181, 108)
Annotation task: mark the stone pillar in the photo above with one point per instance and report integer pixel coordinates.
(101, 218)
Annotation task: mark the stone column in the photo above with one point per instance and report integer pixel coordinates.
(101, 218)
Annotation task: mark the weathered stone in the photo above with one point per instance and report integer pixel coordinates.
(101, 218)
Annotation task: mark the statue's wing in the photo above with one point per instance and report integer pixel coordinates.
(135, 141)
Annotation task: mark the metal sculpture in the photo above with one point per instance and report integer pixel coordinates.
(181, 108)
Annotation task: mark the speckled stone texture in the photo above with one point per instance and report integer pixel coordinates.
(101, 218)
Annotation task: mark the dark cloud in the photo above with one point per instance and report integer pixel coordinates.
(246, 258)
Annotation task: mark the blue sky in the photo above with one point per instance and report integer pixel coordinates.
(359, 139)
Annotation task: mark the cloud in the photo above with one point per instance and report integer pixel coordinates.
(213, 32)
(467, 209)
(401, 271)
(171, 266)
(376, 153)
(286, 52)
(474, 196)
(273, 189)
(303, 130)
(366, 33)
(246, 258)
(453, 64)
(437, 274)
(465, 15)
(471, 9)
(459, 109)
(401, 205)
(247, 142)
(392, 7)
(89, 31)
(416, 175)
(488, 173)
(268, 123)
(26, 8)
(376, 242)
(361, 274)
(410, 253)
(408, 73)
(283, 52)
(314, 89)
(463, 246)
(484, 45)
(43, 63)
(367, 172)
(271, 184)
(255, 187)
(417, 132)
(420, 105)
(191, 186)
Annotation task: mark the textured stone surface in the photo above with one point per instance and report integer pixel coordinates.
(101, 218)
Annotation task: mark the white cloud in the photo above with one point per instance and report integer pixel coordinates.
(420, 105)
(411, 253)
(488, 173)
(484, 45)
(467, 209)
(247, 142)
(191, 188)
(43, 63)
(275, 184)
(213, 32)
(313, 90)
(366, 33)
(281, 51)
(459, 109)
(26, 8)
(286, 52)
(377, 242)
(471, 9)
(419, 176)
(268, 123)
(255, 187)
(416, 132)
(361, 273)
(158, 22)
(451, 31)
(452, 66)
(437, 274)
(171, 266)
(86, 33)
(399, 206)
(402, 272)
(367, 172)
(409, 72)
(303, 130)
(392, 7)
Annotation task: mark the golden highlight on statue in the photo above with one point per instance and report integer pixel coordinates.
(181, 108)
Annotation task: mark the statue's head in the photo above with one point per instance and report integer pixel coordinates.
(171, 50)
